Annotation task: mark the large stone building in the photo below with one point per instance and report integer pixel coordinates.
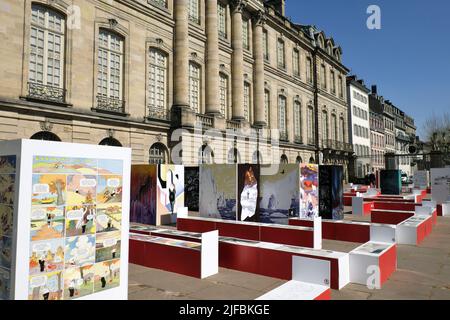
(359, 126)
(132, 72)
(377, 141)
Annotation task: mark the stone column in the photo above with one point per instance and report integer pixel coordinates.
(237, 64)
(258, 54)
(181, 54)
(212, 59)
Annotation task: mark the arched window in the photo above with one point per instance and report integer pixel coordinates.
(110, 71)
(46, 65)
(158, 154)
(311, 126)
(297, 121)
(257, 157)
(205, 155)
(223, 95)
(299, 160)
(194, 86)
(234, 156)
(282, 117)
(45, 135)
(247, 101)
(157, 84)
(110, 142)
(284, 159)
(267, 107)
(311, 160)
(325, 132)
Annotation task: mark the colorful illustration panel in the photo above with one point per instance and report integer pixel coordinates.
(280, 195)
(62, 165)
(106, 275)
(108, 217)
(49, 189)
(109, 189)
(337, 192)
(7, 164)
(81, 189)
(170, 190)
(5, 282)
(107, 246)
(79, 251)
(143, 194)
(47, 286)
(331, 192)
(46, 256)
(218, 191)
(78, 282)
(192, 188)
(248, 192)
(390, 182)
(309, 191)
(80, 220)
(5, 252)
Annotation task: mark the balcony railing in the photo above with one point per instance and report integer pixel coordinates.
(110, 104)
(46, 93)
(337, 145)
(284, 136)
(233, 125)
(205, 121)
(158, 3)
(298, 139)
(403, 137)
(159, 113)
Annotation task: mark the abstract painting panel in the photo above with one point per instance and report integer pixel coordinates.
(309, 191)
(248, 192)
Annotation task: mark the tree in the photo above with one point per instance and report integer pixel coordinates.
(56, 186)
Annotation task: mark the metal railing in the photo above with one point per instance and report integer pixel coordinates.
(233, 125)
(46, 92)
(110, 104)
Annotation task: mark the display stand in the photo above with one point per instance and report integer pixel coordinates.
(310, 281)
(361, 207)
(386, 233)
(373, 263)
(195, 259)
(281, 234)
(71, 216)
(390, 216)
(414, 230)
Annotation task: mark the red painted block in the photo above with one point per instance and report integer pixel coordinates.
(241, 231)
(388, 264)
(191, 225)
(294, 237)
(326, 295)
(390, 217)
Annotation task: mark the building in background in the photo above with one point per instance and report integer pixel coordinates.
(359, 125)
(131, 73)
(377, 141)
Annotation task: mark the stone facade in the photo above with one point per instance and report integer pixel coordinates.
(132, 72)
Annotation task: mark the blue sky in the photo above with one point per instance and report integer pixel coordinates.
(409, 58)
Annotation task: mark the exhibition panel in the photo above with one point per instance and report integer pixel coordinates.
(71, 221)
(414, 230)
(331, 202)
(390, 182)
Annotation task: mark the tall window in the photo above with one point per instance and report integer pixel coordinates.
(282, 116)
(194, 9)
(247, 101)
(333, 82)
(110, 69)
(296, 62)
(323, 76)
(266, 44)
(309, 70)
(157, 84)
(311, 125)
(267, 106)
(46, 52)
(281, 54)
(340, 87)
(325, 132)
(223, 94)
(245, 34)
(341, 129)
(194, 87)
(334, 131)
(297, 121)
(222, 20)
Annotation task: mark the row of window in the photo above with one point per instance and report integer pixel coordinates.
(362, 151)
(336, 134)
(377, 157)
(377, 140)
(389, 124)
(360, 113)
(360, 131)
(361, 98)
(389, 139)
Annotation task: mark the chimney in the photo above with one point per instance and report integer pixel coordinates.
(374, 90)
